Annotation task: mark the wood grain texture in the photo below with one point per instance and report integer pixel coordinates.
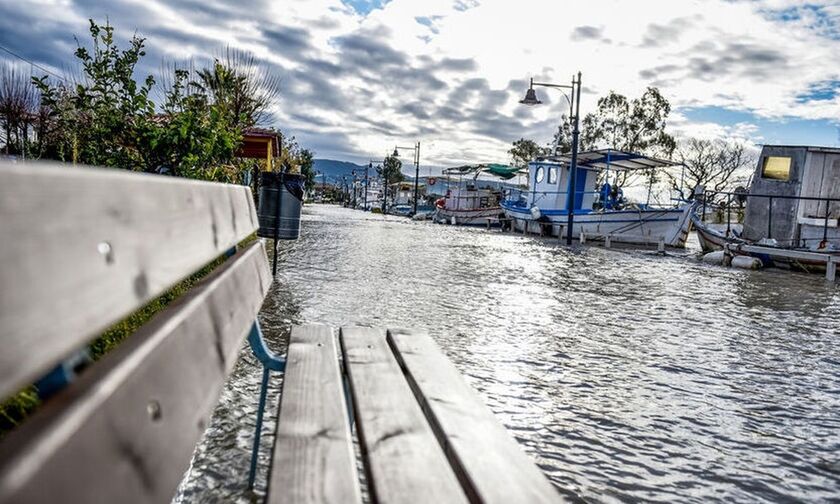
(126, 429)
(404, 460)
(313, 459)
(81, 248)
(489, 463)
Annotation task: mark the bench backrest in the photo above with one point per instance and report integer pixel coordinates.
(81, 248)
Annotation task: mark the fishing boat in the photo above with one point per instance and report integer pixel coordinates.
(468, 204)
(791, 214)
(370, 197)
(713, 236)
(600, 208)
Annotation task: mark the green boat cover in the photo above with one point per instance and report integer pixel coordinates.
(503, 171)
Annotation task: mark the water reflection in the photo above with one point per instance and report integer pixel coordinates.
(626, 376)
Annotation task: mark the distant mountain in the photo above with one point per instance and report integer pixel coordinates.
(334, 170)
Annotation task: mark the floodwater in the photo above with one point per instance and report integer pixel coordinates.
(625, 375)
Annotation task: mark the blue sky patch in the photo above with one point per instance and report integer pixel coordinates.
(783, 131)
(820, 19)
(820, 91)
(364, 7)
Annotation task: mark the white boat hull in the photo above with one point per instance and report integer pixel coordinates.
(670, 226)
(473, 217)
(713, 239)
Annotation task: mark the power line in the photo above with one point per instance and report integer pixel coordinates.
(32, 63)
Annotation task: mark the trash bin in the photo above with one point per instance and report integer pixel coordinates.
(281, 197)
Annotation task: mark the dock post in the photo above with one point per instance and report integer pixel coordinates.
(660, 247)
(607, 241)
(831, 269)
(582, 238)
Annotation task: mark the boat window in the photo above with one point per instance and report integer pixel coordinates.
(540, 174)
(776, 168)
(552, 175)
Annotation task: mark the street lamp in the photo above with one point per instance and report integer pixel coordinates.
(416, 150)
(367, 181)
(355, 190)
(385, 192)
(574, 115)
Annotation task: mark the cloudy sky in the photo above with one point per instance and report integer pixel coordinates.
(360, 76)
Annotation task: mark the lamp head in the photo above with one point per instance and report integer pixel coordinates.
(530, 97)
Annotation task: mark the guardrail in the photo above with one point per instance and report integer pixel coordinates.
(741, 199)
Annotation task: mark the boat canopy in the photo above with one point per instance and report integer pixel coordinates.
(502, 171)
(611, 159)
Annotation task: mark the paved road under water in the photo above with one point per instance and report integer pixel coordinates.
(625, 375)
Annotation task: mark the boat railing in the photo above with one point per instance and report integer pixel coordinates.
(724, 201)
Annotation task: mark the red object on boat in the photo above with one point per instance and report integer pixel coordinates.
(441, 203)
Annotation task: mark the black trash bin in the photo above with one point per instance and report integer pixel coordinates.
(281, 198)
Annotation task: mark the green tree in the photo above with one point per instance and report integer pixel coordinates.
(391, 170)
(297, 159)
(102, 117)
(524, 151)
(714, 164)
(240, 87)
(19, 107)
(636, 125)
(194, 139)
(108, 118)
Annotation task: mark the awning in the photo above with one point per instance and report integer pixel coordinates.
(603, 159)
(499, 170)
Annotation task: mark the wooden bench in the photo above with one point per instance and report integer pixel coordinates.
(423, 434)
(82, 248)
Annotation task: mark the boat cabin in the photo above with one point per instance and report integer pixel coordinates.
(549, 180)
(790, 196)
(470, 197)
(466, 194)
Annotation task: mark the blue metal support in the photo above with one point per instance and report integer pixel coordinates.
(62, 374)
(270, 362)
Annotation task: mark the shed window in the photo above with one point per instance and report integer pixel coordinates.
(540, 176)
(776, 168)
(552, 175)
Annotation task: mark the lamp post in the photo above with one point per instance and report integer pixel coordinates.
(355, 190)
(367, 181)
(416, 150)
(574, 117)
(385, 189)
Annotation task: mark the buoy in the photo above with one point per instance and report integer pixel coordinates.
(453, 221)
(717, 257)
(746, 262)
(535, 213)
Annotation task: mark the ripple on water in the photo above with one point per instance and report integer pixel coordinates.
(625, 375)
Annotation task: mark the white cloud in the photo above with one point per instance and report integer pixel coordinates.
(357, 84)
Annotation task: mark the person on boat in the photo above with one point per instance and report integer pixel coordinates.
(606, 196)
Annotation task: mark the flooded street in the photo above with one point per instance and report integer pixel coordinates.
(625, 375)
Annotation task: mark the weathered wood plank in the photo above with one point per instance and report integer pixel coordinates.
(404, 460)
(126, 429)
(489, 463)
(313, 459)
(83, 247)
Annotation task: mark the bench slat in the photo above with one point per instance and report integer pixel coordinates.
(490, 464)
(404, 459)
(84, 247)
(126, 429)
(313, 459)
